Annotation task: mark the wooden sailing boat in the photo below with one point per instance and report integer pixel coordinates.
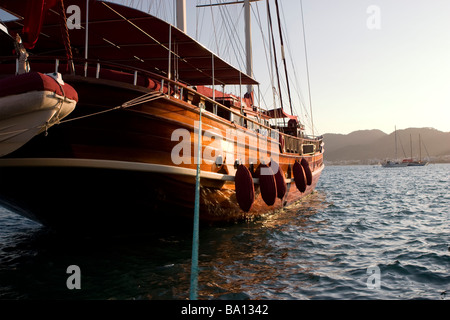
(125, 158)
(415, 163)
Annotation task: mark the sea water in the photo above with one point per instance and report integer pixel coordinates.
(367, 232)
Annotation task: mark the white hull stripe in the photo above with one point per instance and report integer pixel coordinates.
(116, 165)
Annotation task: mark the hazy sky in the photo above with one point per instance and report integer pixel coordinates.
(373, 64)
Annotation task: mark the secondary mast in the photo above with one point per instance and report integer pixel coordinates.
(248, 42)
(181, 15)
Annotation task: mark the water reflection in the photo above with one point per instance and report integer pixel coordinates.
(261, 258)
(318, 249)
(255, 260)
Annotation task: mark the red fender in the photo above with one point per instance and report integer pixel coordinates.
(299, 176)
(307, 169)
(267, 185)
(279, 180)
(245, 191)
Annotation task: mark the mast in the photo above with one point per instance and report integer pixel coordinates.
(410, 144)
(181, 15)
(396, 158)
(283, 56)
(248, 42)
(274, 54)
(248, 33)
(307, 67)
(420, 149)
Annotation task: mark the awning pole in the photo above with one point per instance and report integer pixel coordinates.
(86, 38)
(213, 86)
(170, 52)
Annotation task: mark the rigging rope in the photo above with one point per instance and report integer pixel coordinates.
(176, 55)
(275, 59)
(66, 38)
(258, 20)
(231, 25)
(307, 66)
(214, 28)
(283, 58)
(296, 83)
(148, 97)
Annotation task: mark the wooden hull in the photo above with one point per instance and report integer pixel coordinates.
(417, 163)
(115, 171)
(394, 164)
(115, 199)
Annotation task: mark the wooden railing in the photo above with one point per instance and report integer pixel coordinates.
(171, 88)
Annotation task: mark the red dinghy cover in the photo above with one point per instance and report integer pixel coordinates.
(35, 81)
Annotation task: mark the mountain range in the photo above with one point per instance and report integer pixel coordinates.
(374, 146)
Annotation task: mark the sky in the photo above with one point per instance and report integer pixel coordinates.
(372, 64)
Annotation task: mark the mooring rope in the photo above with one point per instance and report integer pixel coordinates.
(195, 236)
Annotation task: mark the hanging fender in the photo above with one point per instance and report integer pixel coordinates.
(307, 169)
(245, 190)
(279, 179)
(267, 185)
(299, 176)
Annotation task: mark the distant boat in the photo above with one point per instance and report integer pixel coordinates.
(394, 163)
(415, 163)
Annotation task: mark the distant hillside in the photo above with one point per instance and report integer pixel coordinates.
(373, 146)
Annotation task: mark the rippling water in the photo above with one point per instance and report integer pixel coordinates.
(367, 233)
